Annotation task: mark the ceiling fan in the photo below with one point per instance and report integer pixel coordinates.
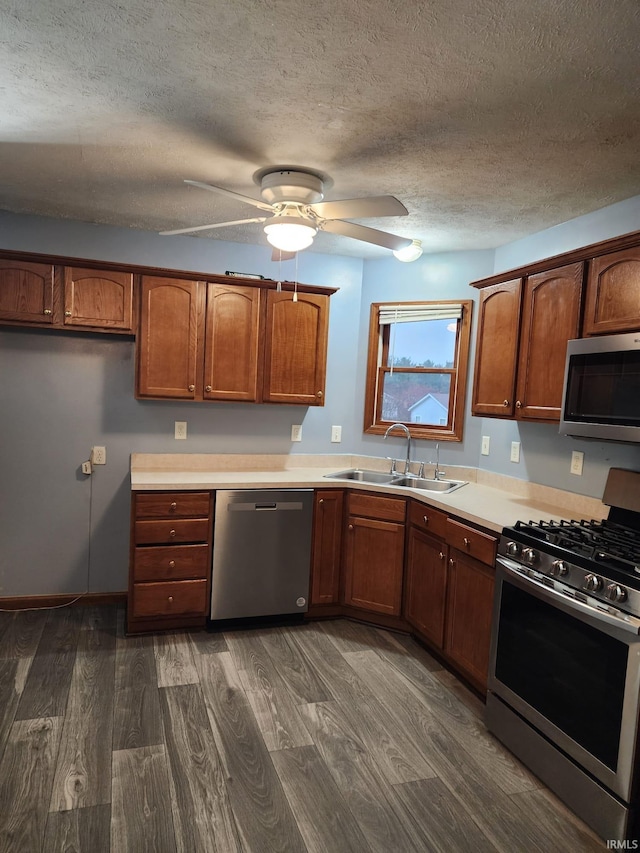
(294, 200)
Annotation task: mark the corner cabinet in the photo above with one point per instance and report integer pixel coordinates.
(65, 297)
(239, 342)
(522, 342)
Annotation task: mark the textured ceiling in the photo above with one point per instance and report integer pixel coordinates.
(488, 119)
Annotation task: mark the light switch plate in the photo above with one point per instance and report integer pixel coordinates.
(515, 451)
(180, 429)
(296, 432)
(486, 440)
(336, 434)
(577, 461)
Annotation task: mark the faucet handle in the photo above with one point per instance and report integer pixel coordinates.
(392, 469)
(421, 470)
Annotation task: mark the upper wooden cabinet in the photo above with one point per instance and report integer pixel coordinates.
(612, 301)
(216, 341)
(296, 348)
(522, 340)
(66, 297)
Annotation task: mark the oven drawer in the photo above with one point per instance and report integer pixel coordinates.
(171, 530)
(170, 562)
(172, 505)
(470, 541)
(179, 598)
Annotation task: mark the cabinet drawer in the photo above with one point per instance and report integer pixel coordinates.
(376, 506)
(172, 505)
(482, 546)
(170, 562)
(428, 519)
(169, 599)
(170, 531)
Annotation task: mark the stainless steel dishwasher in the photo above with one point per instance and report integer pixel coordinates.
(261, 553)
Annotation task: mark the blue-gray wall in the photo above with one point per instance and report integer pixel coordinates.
(60, 394)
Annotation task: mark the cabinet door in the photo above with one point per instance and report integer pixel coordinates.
(169, 345)
(494, 379)
(231, 343)
(426, 585)
(373, 565)
(327, 546)
(469, 612)
(613, 294)
(26, 292)
(98, 298)
(295, 348)
(550, 318)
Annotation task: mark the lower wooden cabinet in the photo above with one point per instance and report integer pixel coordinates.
(327, 546)
(426, 585)
(374, 553)
(170, 567)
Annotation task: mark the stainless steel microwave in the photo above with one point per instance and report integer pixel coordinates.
(601, 397)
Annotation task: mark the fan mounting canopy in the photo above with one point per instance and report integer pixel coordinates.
(289, 185)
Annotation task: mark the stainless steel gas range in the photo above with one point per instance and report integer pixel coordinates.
(564, 673)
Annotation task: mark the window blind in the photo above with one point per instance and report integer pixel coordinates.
(404, 313)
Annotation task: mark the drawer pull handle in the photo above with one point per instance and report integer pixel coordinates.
(426, 519)
(170, 599)
(172, 533)
(173, 506)
(172, 564)
(467, 542)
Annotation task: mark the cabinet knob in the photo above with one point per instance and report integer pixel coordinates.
(321, 501)
(172, 533)
(170, 599)
(451, 562)
(319, 394)
(467, 542)
(207, 388)
(441, 555)
(173, 505)
(425, 518)
(192, 387)
(351, 527)
(518, 404)
(67, 313)
(172, 564)
(47, 311)
(505, 403)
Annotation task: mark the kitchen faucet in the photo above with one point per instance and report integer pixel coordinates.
(408, 434)
(438, 473)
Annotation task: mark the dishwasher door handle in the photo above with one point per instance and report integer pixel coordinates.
(265, 507)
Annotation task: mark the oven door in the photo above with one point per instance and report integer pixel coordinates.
(571, 670)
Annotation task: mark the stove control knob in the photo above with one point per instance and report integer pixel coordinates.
(559, 569)
(615, 592)
(529, 556)
(593, 583)
(513, 549)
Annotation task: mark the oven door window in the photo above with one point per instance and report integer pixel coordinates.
(568, 671)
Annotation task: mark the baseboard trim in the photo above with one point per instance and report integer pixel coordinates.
(45, 602)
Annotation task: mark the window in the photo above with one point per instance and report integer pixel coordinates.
(417, 367)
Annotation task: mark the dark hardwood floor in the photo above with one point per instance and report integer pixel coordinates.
(324, 737)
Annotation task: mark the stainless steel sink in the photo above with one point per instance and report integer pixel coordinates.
(427, 484)
(363, 476)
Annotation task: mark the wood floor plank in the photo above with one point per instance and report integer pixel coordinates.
(83, 769)
(137, 719)
(263, 815)
(356, 775)
(250, 656)
(557, 821)
(349, 636)
(277, 717)
(208, 642)
(469, 699)
(202, 812)
(299, 677)
(322, 815)
(26, 775)
(47, 687)
(9, 698)
(141, 819)
(78, 831)
(393, 644)
(440, 819)
(174, 659)
(20, 633)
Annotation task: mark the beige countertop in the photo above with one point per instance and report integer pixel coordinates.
(490, 500)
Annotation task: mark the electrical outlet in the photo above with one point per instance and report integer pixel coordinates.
(296, 432)
(99, 455)
(180, 429)
(485, 445)
(336, 434)
(515, 451)
(577, 461)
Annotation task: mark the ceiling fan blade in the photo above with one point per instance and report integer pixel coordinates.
(237, 196)
(360, 208)
(368, 235)
(279, 255)
(208, 227)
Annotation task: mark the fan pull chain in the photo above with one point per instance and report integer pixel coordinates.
(295, 283)
(279, 284)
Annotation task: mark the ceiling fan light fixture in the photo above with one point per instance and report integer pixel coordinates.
(290, 234)
(410, 253)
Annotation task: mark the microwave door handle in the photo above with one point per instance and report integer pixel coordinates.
(567, 603)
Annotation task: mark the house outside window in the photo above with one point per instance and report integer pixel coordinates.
(417, 367)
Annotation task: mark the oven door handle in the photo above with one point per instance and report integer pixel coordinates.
(567, 603)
